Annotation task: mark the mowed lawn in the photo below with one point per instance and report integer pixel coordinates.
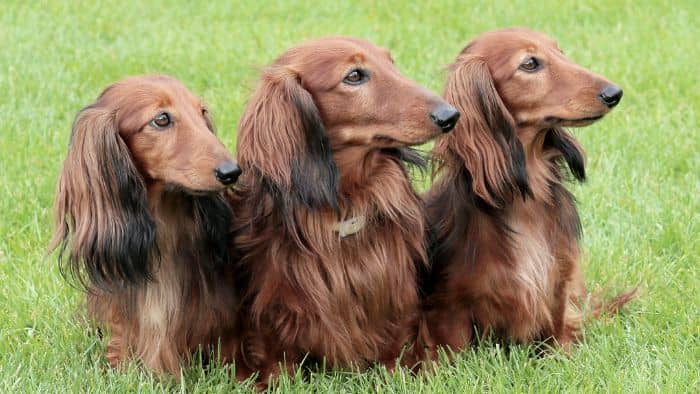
(639, 207)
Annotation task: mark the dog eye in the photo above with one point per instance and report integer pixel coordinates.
(356, 77)
(161, 121)
(530, 65)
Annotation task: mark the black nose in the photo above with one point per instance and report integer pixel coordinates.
(445, 117)
(227, 172)
(610, 95)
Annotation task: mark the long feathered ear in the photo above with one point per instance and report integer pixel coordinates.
(281, 137)
(571, 151)
(485, 138)
(104, 231)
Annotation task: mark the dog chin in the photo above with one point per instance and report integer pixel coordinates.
(389, 142)
(576, 122)
(194, 190)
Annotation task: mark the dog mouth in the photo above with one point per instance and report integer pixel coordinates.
(391, 142)
(196, 192)
(577, 122)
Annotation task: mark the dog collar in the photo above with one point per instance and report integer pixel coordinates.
(350, 226)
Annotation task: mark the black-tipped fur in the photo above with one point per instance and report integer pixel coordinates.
(118, 227)
(315, 174)
(505, 134)
(490, 148)
(571, 152)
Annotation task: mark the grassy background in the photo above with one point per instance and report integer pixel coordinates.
(639, 207)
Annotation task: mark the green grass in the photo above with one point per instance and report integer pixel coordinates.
(639, 207)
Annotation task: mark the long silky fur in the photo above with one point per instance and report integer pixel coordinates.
(189, 305)
(493, 255)
(303, 169)
(494, 156)
(306, 293)
(156, 268)
(571, 152)
(314, 174)
(105, 233)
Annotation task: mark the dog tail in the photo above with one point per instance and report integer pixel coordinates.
(601, 307)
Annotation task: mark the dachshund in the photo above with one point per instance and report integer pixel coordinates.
(329, 233)
(505, 229)
(143, 225)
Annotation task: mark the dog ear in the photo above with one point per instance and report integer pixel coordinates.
(572, 153)
(104, 231)
(485, 138)
(209, 121)
(281, 137)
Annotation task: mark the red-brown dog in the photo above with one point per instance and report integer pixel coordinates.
(329, 229)
(505, 259)
(142, 222)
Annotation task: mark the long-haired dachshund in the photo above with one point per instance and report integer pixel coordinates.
(141, 221)
(330, 232)
(505, 258)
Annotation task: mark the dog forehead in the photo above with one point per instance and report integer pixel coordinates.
(337, 49)
(136, 100)
(145, 90)
(505, 41)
